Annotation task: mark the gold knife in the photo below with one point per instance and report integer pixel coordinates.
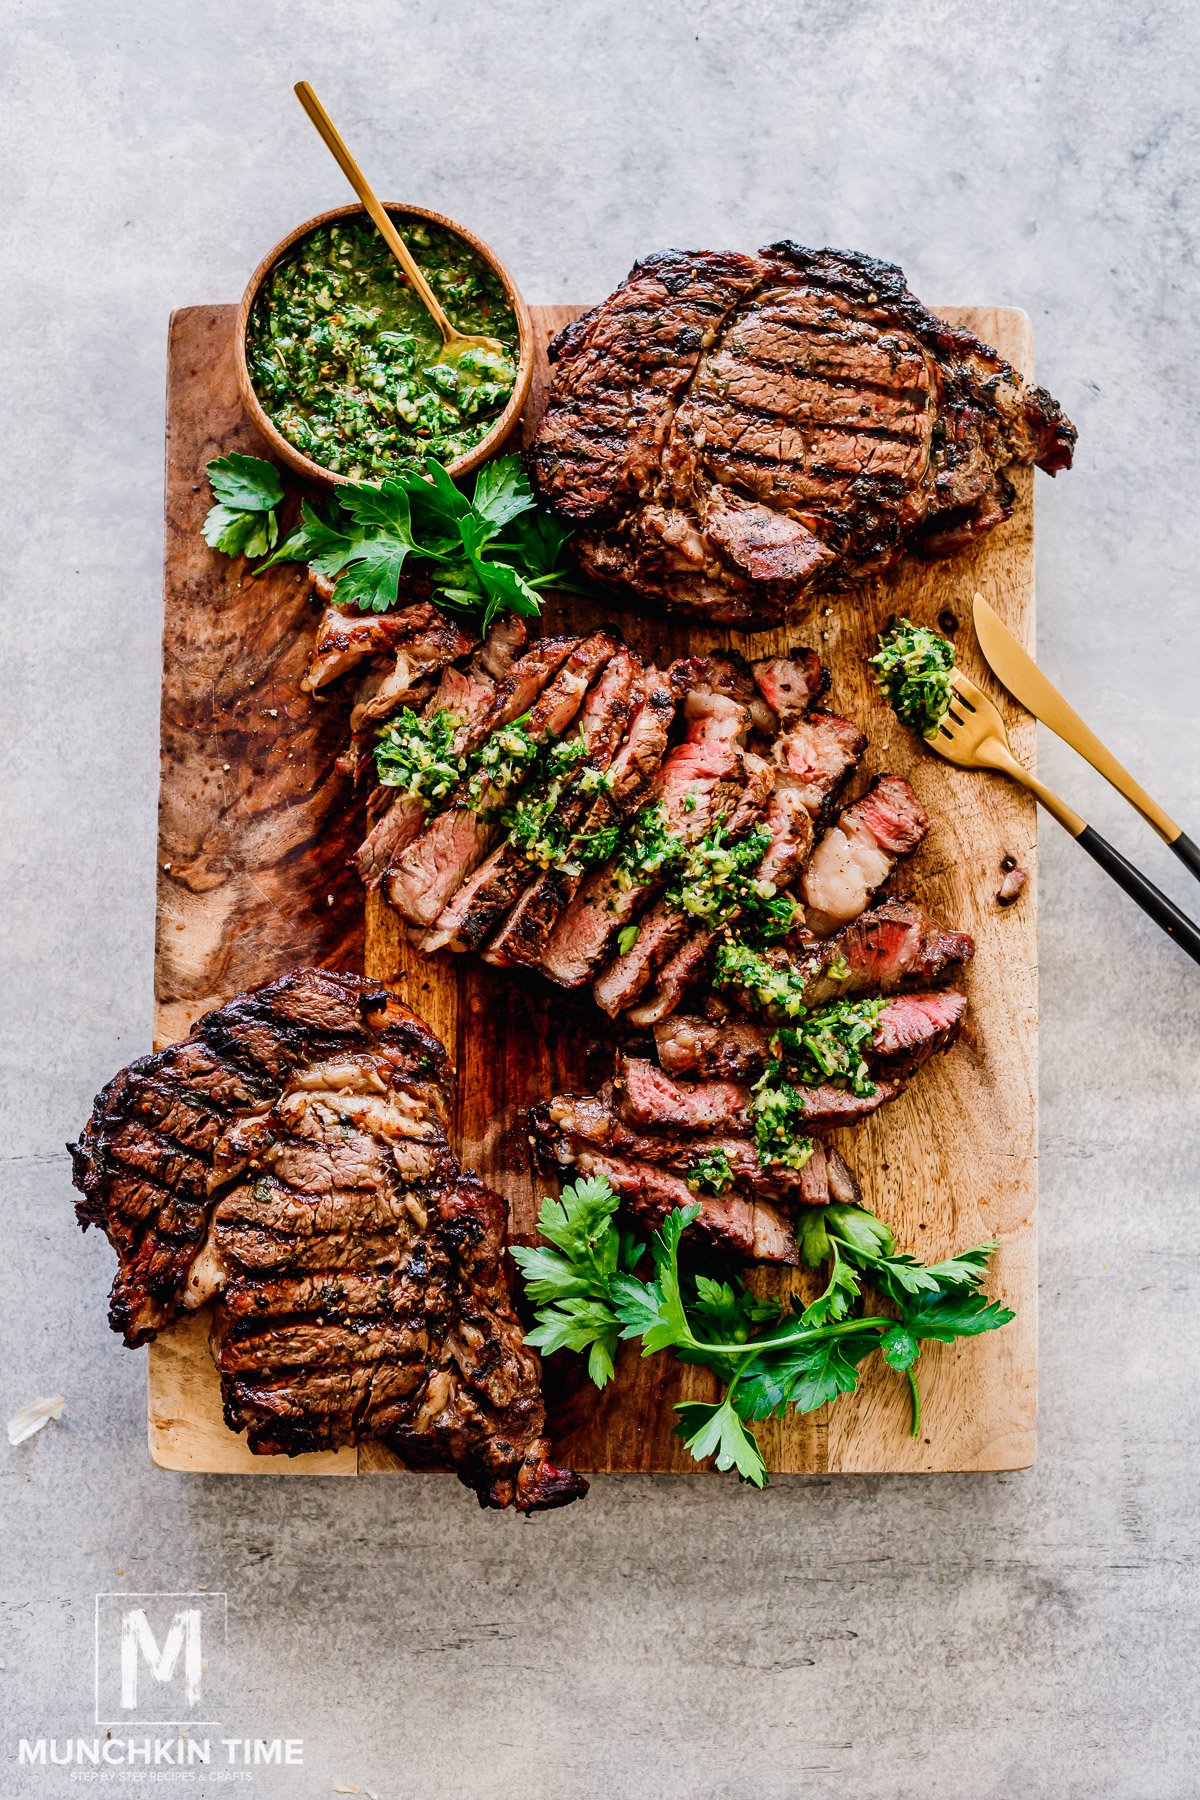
(1017, 671)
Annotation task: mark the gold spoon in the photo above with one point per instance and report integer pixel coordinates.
(454, 341)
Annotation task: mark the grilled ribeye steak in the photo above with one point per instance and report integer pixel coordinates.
(290, 1158)
(730, 434)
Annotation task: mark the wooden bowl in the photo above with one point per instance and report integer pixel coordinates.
(462, 465)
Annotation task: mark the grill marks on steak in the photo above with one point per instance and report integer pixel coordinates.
(290, 1157)
(732, 433)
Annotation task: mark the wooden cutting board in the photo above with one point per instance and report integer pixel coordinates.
(254, 831)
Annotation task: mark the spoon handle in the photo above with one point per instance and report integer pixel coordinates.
(333, 141)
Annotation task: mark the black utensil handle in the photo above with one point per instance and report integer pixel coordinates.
(1188, 852)
(1164, 912)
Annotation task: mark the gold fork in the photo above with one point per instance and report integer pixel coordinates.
(972, 735)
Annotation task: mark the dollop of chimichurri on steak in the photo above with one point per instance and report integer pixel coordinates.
(348, 364)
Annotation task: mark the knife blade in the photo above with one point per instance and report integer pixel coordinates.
(1016, 670)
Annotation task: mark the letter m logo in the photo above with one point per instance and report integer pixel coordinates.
(139, 1644)
(160, 1658)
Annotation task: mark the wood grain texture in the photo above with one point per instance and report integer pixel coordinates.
(953, 1161)
(254, 825)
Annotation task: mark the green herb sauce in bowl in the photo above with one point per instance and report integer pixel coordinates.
(344, 368)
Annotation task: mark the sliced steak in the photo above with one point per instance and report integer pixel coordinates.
(665, 927)
(859, 852)
(790, 684)
(524, 936)
(816, 756)
(482, 902)
(425, 653)
(732, 434)
(290, 1159)
(731, 1221)
(812, 756)
(914, 1027)
(423, 877)
(651, 1100)
(461, 694)
(704, 773)
(911, 1028)
(721, 1105)
(414, 636)
(595, 1119)
(891, 945)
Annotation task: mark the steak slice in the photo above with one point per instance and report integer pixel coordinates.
(724, 1105)
(290, 1159)
(664, 926)
(596, 1119)
(464, 694)
(423, 877)
(859, 852)
(790, 684)
(812, 757)
(525, 934)
(345, 637)
(731, 434)
(893, 944)
(732, 1221)
(482, 902)
(699, 780)
(577, 1133)
(911, 1028)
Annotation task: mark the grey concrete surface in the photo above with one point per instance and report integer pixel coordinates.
(1030, 1635)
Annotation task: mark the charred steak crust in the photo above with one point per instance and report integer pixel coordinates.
(731, 434)
(290, 1158)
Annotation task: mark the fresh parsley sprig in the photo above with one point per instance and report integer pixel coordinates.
(491, 553)
(246, 493)
(588, 1297)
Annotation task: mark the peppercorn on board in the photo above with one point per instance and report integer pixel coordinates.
(255, 828)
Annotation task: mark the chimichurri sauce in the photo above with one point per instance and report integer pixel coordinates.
(348, 364)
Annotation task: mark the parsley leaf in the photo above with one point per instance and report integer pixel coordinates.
(502, 493)
(318, 540)
(245, 483)
(370, 577)
(805, 1374)
(541, 541)
(588, 1297)
(841, 1291)
(246, 492)
(367, 537)
(239, 533)
(718, 1431)
(945, 1317)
